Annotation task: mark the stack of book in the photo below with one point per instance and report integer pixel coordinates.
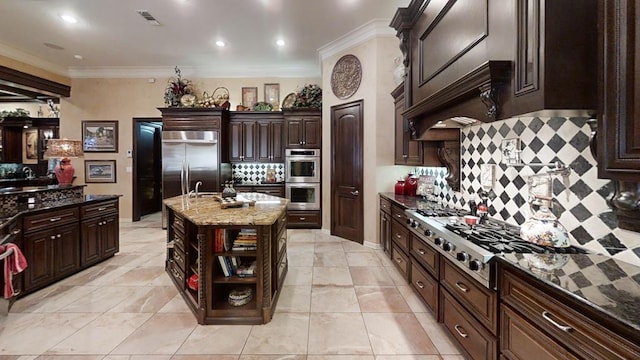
(231, 265)
(247, 239)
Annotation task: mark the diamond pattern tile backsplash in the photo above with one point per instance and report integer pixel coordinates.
(582, 208)
(256, 172)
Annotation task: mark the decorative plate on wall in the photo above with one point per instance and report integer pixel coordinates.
(346, 76)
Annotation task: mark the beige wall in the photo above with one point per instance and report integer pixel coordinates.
(376, 57)
(124, 99)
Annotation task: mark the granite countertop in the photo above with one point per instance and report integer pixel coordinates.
(29, 189)
(24, 209)
(603, 283)
(207, 210)
(610, 286)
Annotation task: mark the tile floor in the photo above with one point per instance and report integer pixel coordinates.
(340, 301)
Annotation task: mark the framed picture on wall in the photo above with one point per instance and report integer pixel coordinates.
(100, 171)
(249, 96)
(30, 146)
(272, 95)
(100, 136)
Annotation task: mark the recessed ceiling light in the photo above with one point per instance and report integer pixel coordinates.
(78, 57)
(280, 42)
(220, 43)
(69, 18)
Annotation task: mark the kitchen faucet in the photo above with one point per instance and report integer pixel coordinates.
(27, 170)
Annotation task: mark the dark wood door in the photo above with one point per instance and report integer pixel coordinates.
(39, 253)
(90, 241)
(147, 166)
(312, 133)
(66, 250)
(294, 133)
(12, 138)
(277, 144)
(347, 171)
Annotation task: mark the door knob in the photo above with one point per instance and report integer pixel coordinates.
(355, 193)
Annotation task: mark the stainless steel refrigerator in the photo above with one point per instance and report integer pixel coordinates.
(189, 157)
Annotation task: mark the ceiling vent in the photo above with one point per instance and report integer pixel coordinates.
(147, 16)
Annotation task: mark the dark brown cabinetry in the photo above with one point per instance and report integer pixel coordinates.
(407, 151)
(11, 144)
(51, 246)
(303, 129)
(385, 226)
(618, 125)
(193, 253)
(55, 245)
(538, 318)
(99, 231)
(242, 135)
(270, 137)
(273, 190)
(304, 219)
(400, 241)
(11, 233)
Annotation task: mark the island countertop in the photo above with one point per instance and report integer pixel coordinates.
(205, 210)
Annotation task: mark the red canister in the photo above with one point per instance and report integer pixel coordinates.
(410, 185)
(399, 188)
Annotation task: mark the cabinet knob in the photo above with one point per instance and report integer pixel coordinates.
(59, 236)
(53, 237)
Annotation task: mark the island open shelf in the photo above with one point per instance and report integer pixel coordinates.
(228, 264)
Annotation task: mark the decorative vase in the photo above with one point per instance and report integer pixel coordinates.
(64, 172)
(399, 187)
(544, 229)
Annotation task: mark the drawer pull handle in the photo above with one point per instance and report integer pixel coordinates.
(547, 316)
(177, 257)
(16, 231)
(399, 260)
(102, 208)
(399, 236)
(399, 215)
(55, 219)
(420, 284)
(462, 287)
(460, 331)
(303, 218)
(421, 251)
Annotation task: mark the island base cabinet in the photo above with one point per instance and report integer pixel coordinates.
(477, 342)
(519, 340)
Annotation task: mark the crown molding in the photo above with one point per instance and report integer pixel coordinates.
(370, 30)
(239, 71)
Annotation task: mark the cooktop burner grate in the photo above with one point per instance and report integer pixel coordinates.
(503, 238)
(440, 212)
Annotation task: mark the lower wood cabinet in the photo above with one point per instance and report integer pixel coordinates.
(52, 254)
(532, 308)
(304, 219)
(60, 242)
(99, 230)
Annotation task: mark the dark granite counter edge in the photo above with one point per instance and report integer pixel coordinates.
(632, 329)
(24, 209)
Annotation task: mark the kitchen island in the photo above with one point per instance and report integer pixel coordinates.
(229, 264)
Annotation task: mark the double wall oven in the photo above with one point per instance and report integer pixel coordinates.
(302, 177)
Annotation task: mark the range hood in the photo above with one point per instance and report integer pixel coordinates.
(473, 98)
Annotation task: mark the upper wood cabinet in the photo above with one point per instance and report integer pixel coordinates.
(270, 137)
(555, 62)
(303, 128)
(195, 119)
(495, 59)
(407, 151)
(618, 124)
(241, 140)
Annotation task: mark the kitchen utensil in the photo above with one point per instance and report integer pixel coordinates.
(470, 219)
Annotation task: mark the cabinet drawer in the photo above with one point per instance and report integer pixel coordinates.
(103, 208)
(282, 243)
(582, 333)
(178, 238)
(385, 205)
(426, 255)
(179, 258)
(480, 301)
(304, 219)
(178, 222)
(282, 269)
(32, 223)
(400, 235)
(469, 333)
(425, 286)
(397, 212)
(177, 274)
(400, 260)
(521, 340)
(273, 191)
